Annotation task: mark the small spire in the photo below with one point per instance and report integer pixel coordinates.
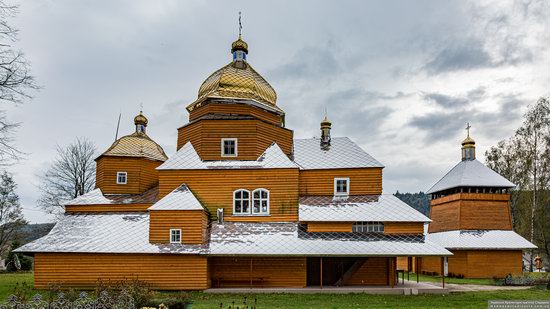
(325, 132)
(140, 121)
(240, 25)
(239, 48)
(468, 146)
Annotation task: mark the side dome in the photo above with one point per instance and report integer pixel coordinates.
(136, 144)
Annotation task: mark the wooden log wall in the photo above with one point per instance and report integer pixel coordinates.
(214, 189)
(254, 137)
(263, 271)
(374, 272)
(107, 208)
(235, 109)
(403, 227)
(193, 225)
(142, 174)
(363, 181)
(80, 270)
(329, 226)
(470, 211)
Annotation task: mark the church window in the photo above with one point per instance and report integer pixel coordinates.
(260, 201)
(175, 236)
(241, 202)
(341, 186)
(368, 227)
(229, 147)
(121, 178)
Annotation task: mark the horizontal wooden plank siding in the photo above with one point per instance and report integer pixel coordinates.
(329, 226)
(142, 174)
(193, 224)
(373, 272)
(494, 264)
(254, 137)
(321, 182)
(445, 217)
(234, 109)
(264, 271)
(470, 211)
(162, 271)
(431, 264)
(403, 227)
(214, 188)
(107, 208)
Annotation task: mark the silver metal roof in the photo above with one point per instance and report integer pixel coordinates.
(96, 197)
(481, 239)
(186, 158)
(239, 238)
(384, 207)
(103, 233)
(470, 173)
(180, 199)
(343, 153)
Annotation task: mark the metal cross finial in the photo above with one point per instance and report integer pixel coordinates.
(240, 24)
(140, 107)
(468, 126)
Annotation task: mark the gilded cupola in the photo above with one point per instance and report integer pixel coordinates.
(468, 146)
(325, 132)
(137, 144)
(237, 81)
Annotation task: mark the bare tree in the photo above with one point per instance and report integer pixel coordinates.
(70, 175)
(16, 82)
(11, 216)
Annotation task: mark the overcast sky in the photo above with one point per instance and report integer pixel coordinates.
(401, 78)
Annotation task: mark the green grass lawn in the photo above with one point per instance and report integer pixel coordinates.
(424, 278)
(319, 301)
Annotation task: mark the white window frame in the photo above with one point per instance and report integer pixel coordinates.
(336, 193)
(241, 199)
(180, 236)
(125, 178)
(236, 140)
(368, 227)
(261, 212)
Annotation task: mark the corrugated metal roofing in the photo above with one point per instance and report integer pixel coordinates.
(342, 153)
(186, 158)
(470, 173)
(385, 207)
(103, 233)
(180, 199)
(480, 239)
(234, 238)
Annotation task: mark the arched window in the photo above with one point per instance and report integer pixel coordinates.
(241, 202)
(260, 201)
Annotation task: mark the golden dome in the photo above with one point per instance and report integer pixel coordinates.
(239, 44)
(140, 119)
(137, 144)
(468, 141)
(237, 83)
(326, 122)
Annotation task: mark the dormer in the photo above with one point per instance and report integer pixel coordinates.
(129, 165)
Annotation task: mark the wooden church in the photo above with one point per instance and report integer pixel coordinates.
(470, 212)
(240, 204)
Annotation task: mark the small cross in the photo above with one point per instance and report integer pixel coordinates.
(240, 25)
(468, 126)
(141, 107)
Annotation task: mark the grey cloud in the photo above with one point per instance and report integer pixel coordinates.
(456, 102)
(465, 56)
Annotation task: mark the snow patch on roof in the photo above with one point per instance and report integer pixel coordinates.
(480, 239)
(470, 173)
(180, 199)
(342, 153)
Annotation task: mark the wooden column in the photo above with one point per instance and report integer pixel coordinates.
(416, 263)
(321, 273)
(250, 277)
(443, 271)
(392, 273)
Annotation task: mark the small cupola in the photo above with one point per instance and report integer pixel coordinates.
(239, 49)
(141, 122)
(325, 133)
(468, 146)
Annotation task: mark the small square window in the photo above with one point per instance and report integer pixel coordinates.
(341, 186)
(121, 178)
(229, 147)
(175, 236)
